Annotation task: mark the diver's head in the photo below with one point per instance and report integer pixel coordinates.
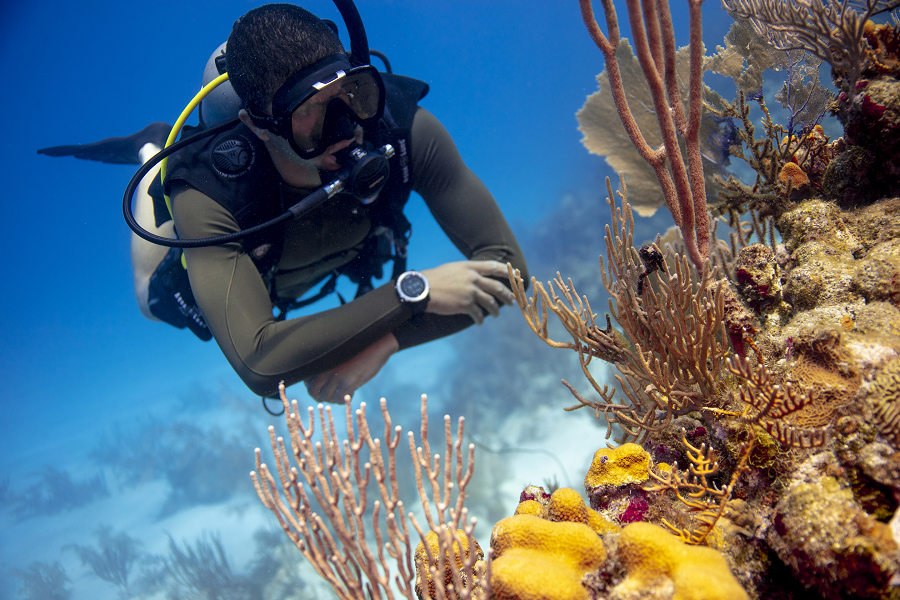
(221, 104)
(295, 80)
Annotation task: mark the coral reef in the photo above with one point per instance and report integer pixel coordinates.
(818, 374)
(761, 395)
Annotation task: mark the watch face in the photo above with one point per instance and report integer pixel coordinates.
(412, 287)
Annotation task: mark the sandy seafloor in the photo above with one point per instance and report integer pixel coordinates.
(112, 420)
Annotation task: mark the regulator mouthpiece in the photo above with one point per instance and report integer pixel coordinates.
(365, 169)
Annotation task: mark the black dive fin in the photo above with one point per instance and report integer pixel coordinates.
(118, 150)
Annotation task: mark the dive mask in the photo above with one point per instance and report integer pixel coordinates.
(322, 105)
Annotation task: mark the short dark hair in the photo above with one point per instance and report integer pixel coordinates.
(269, 44)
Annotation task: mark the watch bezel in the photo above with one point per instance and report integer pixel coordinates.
(404, 297)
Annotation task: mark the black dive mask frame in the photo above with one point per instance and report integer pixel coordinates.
(340, 117)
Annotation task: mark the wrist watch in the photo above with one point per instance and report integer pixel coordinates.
(412, 287)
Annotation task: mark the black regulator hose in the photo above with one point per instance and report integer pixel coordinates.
(308, 203)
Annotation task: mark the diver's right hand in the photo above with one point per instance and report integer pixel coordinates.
(468, 287)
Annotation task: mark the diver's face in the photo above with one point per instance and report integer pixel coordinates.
(323, 162)
(302, 172)
(308, 121)
(296, 171)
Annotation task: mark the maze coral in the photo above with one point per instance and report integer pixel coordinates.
(885, 399)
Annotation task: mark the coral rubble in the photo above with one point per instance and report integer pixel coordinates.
(830, 543)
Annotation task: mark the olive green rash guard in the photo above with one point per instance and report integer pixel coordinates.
(235, 302)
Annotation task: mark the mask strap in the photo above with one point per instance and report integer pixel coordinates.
(267, 122)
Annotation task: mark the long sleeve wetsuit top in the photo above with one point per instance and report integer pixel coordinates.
(236, 304)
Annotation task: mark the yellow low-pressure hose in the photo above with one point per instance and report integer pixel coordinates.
(176, 129)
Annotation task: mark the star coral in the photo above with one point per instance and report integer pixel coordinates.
(626, 464)
(566, 505)
(530, 507)
(538, 559)
(613, 483)
(661, 566)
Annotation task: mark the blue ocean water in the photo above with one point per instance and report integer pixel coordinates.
(99, 403)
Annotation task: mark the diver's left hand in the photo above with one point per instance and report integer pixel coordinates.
(333, 385)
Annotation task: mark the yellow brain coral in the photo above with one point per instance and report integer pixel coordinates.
(537, 559)
(655, 559)
(629, 463)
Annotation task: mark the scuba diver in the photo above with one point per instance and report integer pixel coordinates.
(307, 184)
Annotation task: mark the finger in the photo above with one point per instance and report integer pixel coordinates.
(487, 302)
(496, 289)
(474, 311)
